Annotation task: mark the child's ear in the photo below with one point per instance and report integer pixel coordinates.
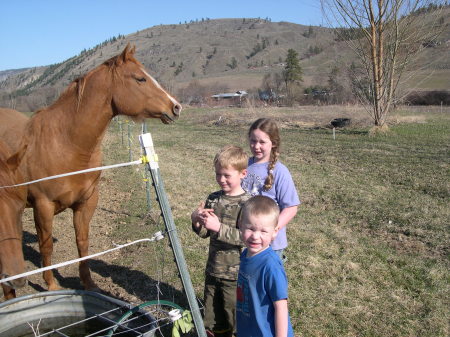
(275, 232)
(243, 173)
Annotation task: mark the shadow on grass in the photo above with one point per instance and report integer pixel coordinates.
(138, 283)
(32, 255)
(29, 253)
(132, 281)
(353, 132)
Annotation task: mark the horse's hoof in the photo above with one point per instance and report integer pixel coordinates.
(94, 289)
(54, 287)
(91, 286)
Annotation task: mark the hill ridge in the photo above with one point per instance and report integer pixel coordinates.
(236, 52)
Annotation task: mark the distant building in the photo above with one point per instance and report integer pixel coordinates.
(236, 98)
(229, 95)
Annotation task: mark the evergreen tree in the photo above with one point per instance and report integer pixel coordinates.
(292, 71)
(233, 63)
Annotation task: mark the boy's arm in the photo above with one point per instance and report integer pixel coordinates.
(230, 234)
(224, 229)
(225, 233)
(281, 318)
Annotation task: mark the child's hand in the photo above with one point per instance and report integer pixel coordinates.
(211, 221)
(196, 216)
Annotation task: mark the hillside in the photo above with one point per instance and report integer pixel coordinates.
(235, 53)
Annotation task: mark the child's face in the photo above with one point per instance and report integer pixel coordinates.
(257, 232)
(260, 145)
(229, 179)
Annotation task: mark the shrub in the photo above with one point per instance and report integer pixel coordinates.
(434, 97)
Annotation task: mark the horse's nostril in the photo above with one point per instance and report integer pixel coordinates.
(177, 109)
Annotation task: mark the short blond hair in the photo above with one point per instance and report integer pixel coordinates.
(260, 205)
(231, 156)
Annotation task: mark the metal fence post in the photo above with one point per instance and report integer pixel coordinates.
(147, 145)
(147, 175)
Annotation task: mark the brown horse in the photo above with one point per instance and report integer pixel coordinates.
(67, 135)
(12, 204)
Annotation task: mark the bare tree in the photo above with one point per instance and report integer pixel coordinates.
(384, 35)
(13, 102)
(196, 93)
(272, 81)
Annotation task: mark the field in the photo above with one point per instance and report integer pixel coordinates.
(368, 250)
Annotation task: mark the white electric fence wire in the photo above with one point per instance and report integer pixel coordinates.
(172, 315)
(136, 162)
(157, 236)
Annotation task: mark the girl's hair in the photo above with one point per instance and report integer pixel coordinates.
(231, 156)
(269, 127)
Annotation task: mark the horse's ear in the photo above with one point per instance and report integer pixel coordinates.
(128, 52)
(13, 162)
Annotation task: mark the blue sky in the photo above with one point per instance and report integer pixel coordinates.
(43, 32)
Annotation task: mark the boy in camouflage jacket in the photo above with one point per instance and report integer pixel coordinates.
(217, 218)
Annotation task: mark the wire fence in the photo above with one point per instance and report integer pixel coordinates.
(162, 313)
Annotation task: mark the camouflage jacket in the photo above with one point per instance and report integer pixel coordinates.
(226, 245)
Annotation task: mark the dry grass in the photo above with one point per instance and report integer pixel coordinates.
(368, 250)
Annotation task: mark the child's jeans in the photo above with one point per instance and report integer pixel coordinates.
(280, 253)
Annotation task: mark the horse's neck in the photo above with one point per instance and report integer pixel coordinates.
(88, 119)
(89, 128)
(83, 129)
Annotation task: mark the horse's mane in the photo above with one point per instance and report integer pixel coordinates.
(76, 87)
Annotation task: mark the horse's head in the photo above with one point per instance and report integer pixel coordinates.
(136, 93)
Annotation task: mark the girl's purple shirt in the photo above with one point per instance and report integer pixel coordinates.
(283, 191)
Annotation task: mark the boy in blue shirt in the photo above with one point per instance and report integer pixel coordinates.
(262, 289)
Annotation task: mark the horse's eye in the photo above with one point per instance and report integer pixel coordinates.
(141, 79)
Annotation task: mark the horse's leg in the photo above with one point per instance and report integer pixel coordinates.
(82, 215)
(8, 292)
(44, 212)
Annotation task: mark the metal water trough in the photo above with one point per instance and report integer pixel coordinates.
(71, 313)
(340, 122)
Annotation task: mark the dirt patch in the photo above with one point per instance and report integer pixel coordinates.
(396, 119)
(303, 117)
(102, 225)
(113, 280)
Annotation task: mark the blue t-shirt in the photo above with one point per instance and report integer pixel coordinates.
(261, 281)
(283, 191)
